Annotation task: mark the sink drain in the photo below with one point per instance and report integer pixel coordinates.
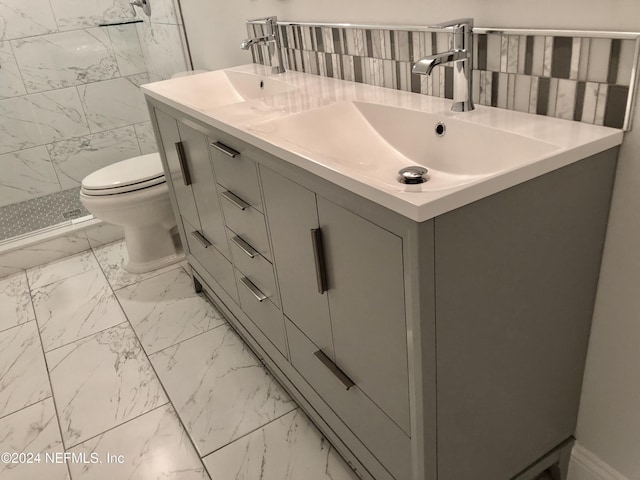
(413, 175)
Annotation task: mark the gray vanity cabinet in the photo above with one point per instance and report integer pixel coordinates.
(187, 154)
(443, 350)
(292, 215)
(341, 279)
(182, 189)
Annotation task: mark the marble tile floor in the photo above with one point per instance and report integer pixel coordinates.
(109, 375)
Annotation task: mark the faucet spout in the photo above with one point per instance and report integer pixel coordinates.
(271, 38)
(461, 56)
(249, 42)
(426, 65)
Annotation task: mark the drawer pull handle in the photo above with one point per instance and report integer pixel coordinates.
(333, 368)
(253, 289)
(318, 255)
(235, 200)
(228, 151)
(201, 238)
(245, 247)
(184, 167)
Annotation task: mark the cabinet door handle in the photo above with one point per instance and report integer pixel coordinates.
(245, 247)
(228, 151)
(333, 368)
(318, 255)
(201, 238)
(253, 289)
(235, 200)
(182, 160)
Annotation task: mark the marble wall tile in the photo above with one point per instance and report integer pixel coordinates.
(64, 59)
(59, 114)
(74, 14)
(74, 308)
(26, 174)
(112, 103)
(165, 310)
(33, 430)
(22, 18)
(18, 125)
(44, 252)
(127, 49)
(76, 158)
(52, 272)
(601, 104)
(154, 445)
(599, 51)
(15, 302)
(162, 50)
(566, 99)
(101, 382)
(146, 138)
(590, 102)
(289, 448)
(11, 84)
(163, 11)
(23, 374)
(220, 390)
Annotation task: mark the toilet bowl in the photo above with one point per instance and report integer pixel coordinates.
(133, 193)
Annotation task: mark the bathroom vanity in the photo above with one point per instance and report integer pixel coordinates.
(431, 332)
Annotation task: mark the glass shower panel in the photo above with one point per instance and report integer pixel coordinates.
(69, 98)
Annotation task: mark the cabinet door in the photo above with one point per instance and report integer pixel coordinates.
(366, 298)
(292, 214)
(170, 137)
(196, 151)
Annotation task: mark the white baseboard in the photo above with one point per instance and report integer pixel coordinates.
(587, 466)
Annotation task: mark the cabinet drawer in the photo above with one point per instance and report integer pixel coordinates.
(254, 266)
(246, 221)
(235, 171)
(211, 259)
(370, 424)
(267, 317)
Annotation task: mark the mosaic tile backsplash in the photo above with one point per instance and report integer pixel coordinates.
(586, 79)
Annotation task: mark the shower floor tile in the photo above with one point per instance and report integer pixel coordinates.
(38, 213)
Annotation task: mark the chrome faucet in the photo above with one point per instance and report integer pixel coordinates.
(272, 39)
(461, 55)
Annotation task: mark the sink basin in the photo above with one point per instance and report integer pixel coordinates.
(374, 141)
(211, 90)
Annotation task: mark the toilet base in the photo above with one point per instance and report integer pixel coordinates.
(133, 267)
(150, 248)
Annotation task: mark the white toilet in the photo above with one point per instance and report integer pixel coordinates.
(133, 193)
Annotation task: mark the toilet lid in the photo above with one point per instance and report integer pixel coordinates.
(134, 173)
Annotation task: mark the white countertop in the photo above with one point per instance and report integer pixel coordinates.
(574, 140)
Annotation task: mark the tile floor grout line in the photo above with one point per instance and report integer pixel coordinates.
(16, 325)
(25, 407)
(71, 447)
(40, 287)
(46, 366)
(84, 338)
(184, 340)
(170, 402)
(296, 407)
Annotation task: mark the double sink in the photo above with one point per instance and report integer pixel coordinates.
(360, 136)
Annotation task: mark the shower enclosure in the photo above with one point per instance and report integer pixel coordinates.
(69, 98)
